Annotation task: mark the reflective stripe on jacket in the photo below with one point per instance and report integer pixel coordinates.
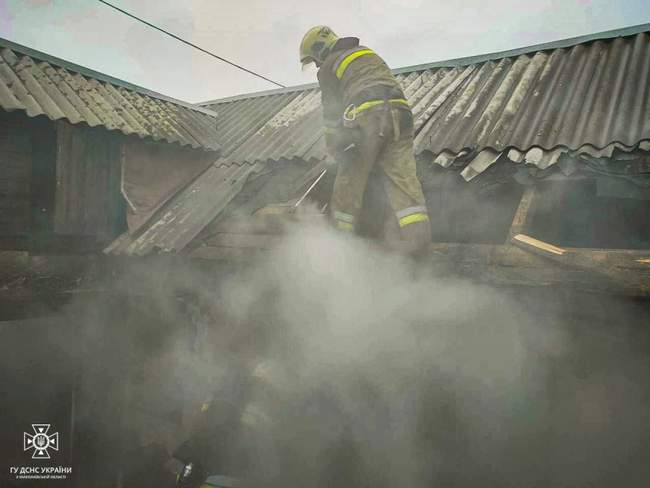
(349, 75)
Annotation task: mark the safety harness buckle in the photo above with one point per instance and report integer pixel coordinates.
(349, 115)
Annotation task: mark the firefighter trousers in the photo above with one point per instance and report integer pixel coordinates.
(381, 138)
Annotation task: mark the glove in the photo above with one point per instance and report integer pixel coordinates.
(341, 146)
(192, 476)
(340, 139)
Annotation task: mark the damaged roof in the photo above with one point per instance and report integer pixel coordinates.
(587, 94)
(583, 95)
(187, 213)
(40, 84)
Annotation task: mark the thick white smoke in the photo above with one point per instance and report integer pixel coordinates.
(369, 369)
(381, 371)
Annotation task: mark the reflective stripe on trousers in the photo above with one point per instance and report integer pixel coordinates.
(398, 175)
(344, 221)
(344, 226)
(411, 215)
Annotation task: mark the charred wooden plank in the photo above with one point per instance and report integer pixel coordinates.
(522, 214)
(596, 263)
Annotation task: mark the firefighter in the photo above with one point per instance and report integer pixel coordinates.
(368, 123)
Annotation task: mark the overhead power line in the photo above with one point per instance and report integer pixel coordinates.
(190, 44)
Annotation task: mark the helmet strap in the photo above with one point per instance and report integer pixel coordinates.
(324, 53)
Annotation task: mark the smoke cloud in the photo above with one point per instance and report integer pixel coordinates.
(351, 366)
(377, 371)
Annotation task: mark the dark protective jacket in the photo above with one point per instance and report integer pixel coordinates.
(353, 74)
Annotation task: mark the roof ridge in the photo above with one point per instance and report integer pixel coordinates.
(263, 93)
(465, 61)
(558, 44)
(90, 73)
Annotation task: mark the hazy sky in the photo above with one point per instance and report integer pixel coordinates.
(263, 35)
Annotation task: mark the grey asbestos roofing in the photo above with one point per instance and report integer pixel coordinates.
(187, 214)
(41, 85)
(586, 97)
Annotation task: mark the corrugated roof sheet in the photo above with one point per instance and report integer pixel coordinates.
(188, 213)
(584, 95)
(289, 126)
(42, 85)
(240, 119)
(587, 98)
(288, 133)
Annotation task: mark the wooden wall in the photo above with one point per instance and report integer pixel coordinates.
(59, 185)
(15, 175)
(88, 165)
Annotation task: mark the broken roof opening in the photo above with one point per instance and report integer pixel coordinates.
(590, 213)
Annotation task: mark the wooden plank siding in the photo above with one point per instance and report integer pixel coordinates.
(88, 165)
(15, 175)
